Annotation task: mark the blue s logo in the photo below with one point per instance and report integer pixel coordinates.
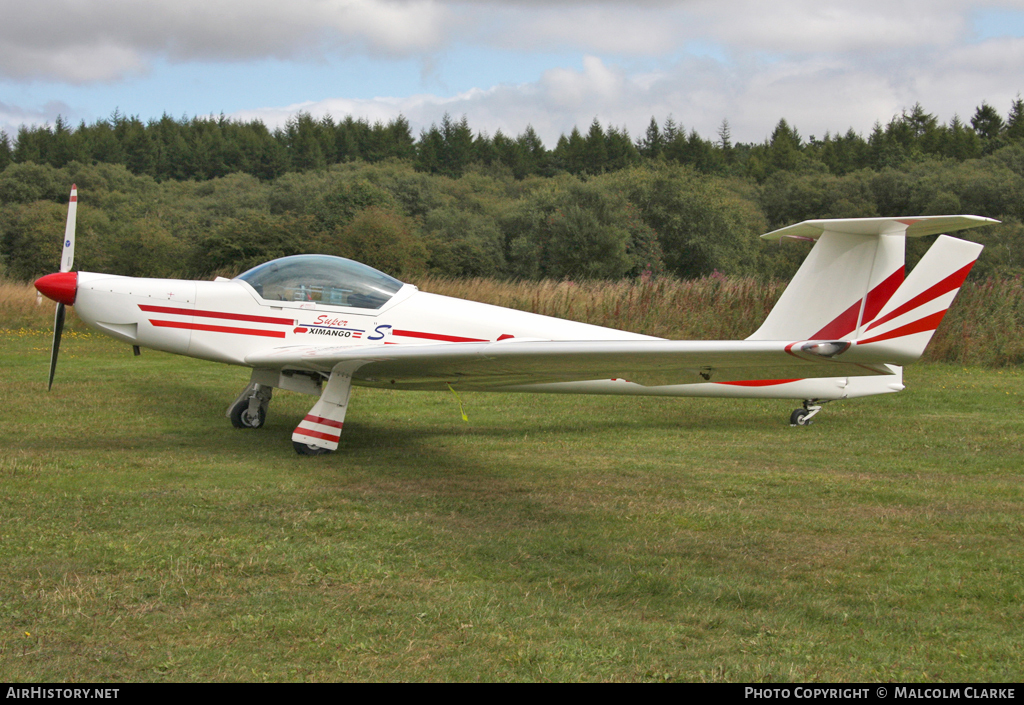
(378, 333)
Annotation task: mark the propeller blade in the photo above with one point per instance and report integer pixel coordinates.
(62, 287)
(58, 329)
(67, 257)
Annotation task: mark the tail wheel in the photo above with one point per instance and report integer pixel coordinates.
(800, 417)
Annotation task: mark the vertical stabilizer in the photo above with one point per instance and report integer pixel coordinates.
(854, 269)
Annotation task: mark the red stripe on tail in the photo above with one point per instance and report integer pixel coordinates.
(846, 322)
(919, 326)
(953, 281)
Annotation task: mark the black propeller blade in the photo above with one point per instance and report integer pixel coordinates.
(58, 329)
(61, 287)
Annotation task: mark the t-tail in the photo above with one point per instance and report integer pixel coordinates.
(852, 286)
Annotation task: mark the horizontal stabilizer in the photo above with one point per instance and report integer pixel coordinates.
(916, 226)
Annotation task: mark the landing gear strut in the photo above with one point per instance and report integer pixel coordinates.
(249, 410)
(802, 417)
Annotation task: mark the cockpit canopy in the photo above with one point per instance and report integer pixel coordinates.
(334, 281)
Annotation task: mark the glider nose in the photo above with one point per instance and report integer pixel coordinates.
(61, 287)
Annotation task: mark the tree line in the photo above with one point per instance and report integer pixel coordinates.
(203, 148)
(651, 219)
(199, 196)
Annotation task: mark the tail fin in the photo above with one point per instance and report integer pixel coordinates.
(902, 329)
(854, 276)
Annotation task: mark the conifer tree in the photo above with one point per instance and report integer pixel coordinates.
(725, 136)
(457, 151)
(987, 122)
(429, 149)
(301, 139)
(1015, 122)
(5, 150)
(621, 150)
(569, 152)
(535, 153)
(595, 150)
(652, 144)
(784, 147)
(397, 140)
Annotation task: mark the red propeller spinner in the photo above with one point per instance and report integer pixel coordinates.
(60, 287)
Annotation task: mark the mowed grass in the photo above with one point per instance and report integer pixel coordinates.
(566, 538)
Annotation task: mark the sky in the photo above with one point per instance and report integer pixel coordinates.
(823, 65)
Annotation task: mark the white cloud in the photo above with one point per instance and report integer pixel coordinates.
(114, 38)
(571, 89)
(13, 116)
(824, 65)
(816, 95)
(801, 27)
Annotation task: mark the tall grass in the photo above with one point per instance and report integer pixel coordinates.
(985, 326)
(19, 307)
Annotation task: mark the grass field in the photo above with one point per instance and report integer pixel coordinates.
(550, 538)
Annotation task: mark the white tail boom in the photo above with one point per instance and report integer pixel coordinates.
(852, 285)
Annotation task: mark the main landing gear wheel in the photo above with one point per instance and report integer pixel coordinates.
(242, 417)
(306, 449)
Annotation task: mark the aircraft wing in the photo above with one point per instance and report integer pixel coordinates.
(508, 363)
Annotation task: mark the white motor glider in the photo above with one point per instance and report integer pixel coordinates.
(318, 325)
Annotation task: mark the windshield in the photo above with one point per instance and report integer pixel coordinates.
(334, 281)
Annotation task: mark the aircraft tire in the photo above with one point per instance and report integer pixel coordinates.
(306, 449)
(241, 418)
(799, 418)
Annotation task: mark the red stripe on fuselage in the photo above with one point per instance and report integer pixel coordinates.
(436, 336)
(217, 314)
(760, 382)
(218, 329)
